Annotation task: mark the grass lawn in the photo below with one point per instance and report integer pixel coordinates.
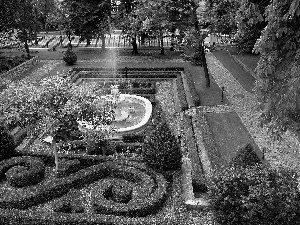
(249, 60)
(243, 77)
(229, 134)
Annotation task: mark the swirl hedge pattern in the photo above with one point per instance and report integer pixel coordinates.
(117, 187)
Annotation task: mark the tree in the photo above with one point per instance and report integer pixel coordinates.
(89, 19)
(220, 15)
(250, 23)
(46, 11)
(22, 19)
(255, 195)
(195, 39)
(53, 106)
(154, 17)
(278, 68)
(128, 21)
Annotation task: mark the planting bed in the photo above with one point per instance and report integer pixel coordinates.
(93, 189)
(121, 188)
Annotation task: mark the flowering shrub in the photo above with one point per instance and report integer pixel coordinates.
(256, 195)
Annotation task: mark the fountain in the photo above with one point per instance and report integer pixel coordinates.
(132, 112)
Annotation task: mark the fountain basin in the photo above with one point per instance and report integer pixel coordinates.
(126, 101)
(133, 113)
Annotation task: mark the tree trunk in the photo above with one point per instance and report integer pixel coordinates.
(27, 49)
(55, 153)
(202, 52)
(162, 50)
(35, 38)
(172, 41)
(134, 46)
(103, 41)
(205, 68)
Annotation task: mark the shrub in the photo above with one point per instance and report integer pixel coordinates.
(246, 156)
(9, 62)
(161, 150)
(129, 138)
(7, 143)
(70, 57)
(103, 147)
(121, 193)
(256, 195)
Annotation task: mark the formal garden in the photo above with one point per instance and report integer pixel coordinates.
(149, 112)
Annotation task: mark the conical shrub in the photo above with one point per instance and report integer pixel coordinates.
(246, 156)
(161, 150)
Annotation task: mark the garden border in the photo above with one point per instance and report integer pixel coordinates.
(15, 73)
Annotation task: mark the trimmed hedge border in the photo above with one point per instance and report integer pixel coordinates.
(78, 69)
(16, 72)
(122, 71)
(145, 197)
(188, 95)
(22, 171)
(192, 89)
(181, 94)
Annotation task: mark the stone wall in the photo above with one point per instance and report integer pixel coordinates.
(16, 72)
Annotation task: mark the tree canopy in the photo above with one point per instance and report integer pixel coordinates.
(250, 22)
(220, 15)
(89, 19)
(278, 67)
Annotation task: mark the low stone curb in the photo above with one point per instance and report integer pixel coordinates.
(189, 198)
(190, 201)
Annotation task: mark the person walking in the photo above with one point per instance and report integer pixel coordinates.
(60, 40)
(47, 44)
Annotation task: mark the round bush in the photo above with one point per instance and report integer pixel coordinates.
(7, 143)
(70, 57)
(24, 171)
(161, 149)
(256, 195)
